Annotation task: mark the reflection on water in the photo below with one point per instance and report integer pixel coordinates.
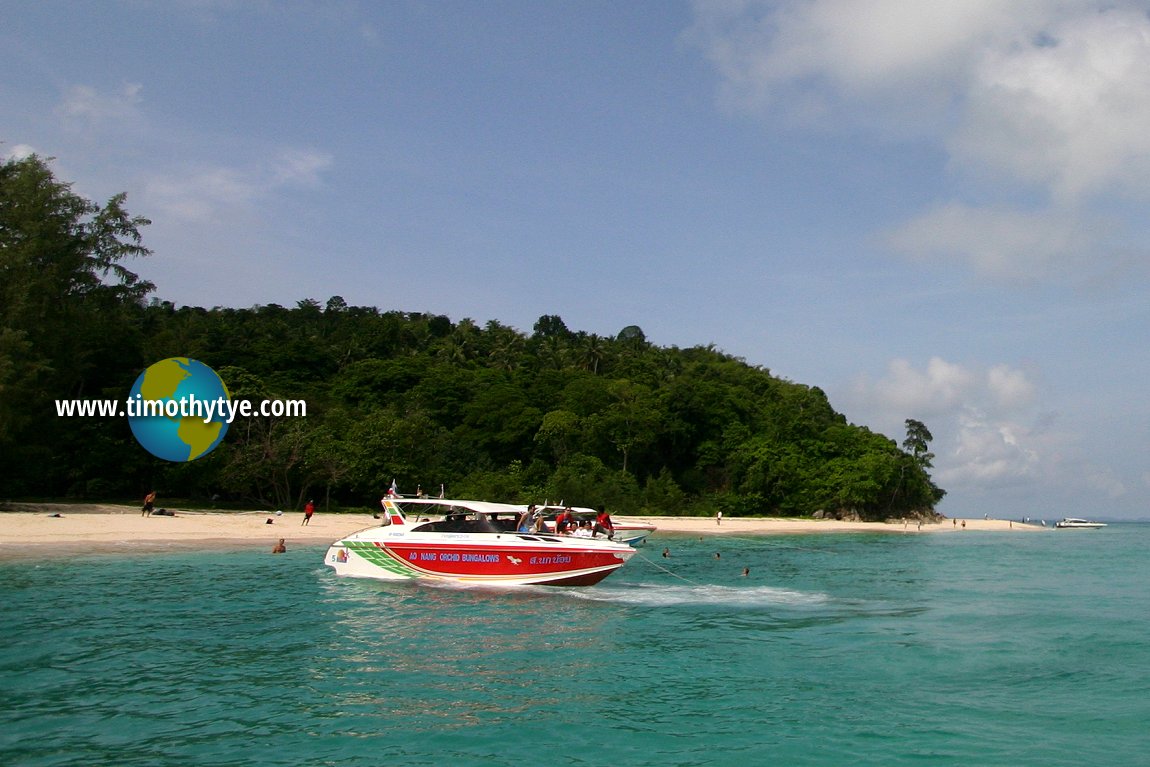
(450, 655)
(444, 655)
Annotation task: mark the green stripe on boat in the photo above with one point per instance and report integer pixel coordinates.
(378, 557)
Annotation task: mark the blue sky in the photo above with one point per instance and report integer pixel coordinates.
(928, 210)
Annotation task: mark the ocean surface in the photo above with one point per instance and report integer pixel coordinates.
(850, 649)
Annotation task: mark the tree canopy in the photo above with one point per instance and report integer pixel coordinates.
(485, 410)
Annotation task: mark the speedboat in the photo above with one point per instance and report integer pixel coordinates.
(630, 532)
(1074, 522)
(471, 542)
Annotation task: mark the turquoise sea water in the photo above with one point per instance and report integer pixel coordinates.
(957, 649)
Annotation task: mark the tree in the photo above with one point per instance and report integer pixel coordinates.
(559, 430)
(632, 420)
(68, 305)
(551, 326)
(58, 250)
(917, 442)
(484, 409)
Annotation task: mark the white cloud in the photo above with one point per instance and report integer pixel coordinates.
(858, 48)
(1010, 389)
(977, 416)
(941, 388)
(1106, 482)
(988, 452)
(300, 166)
(20, 152)
(199, 195)
(1069, 113)
(1044, 99)
(997, 242)
(86, 104)
(204, 193)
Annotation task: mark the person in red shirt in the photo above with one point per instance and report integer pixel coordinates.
(603, 524)
(563, 520)
(308, 510)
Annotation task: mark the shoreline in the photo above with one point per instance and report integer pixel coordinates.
(34, 529)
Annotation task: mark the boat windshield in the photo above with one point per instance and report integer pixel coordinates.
(468, 523)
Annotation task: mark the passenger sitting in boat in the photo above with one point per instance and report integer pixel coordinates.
(603, 524)
(537, 525)
(485, 524)
(562, 521)
(583, 530)
(525, 519)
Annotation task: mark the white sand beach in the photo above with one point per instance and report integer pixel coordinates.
(35, 528)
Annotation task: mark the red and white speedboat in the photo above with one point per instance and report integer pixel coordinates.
(474, 542)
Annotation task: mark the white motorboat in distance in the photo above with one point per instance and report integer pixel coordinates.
(471, 542)
(1074, 522)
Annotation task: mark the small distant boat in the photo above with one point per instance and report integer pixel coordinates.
(1074, 522)
(471, 542)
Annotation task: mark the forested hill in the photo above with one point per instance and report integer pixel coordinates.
(485, 410)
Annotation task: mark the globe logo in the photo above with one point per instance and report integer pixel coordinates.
(176, 409)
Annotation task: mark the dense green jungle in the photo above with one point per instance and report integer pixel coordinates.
(481, 410)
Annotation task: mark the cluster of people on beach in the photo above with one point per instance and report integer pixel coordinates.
(150, 507)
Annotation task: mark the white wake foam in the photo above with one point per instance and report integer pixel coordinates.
(734, 596)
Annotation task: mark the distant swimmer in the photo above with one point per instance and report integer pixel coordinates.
(280, 548)
(746, 571)
(666, 553)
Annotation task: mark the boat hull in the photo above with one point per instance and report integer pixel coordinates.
(524, 560)
(631, 537)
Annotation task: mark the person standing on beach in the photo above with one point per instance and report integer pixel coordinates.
(308, 510)
(719, 518)
(149, 504)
